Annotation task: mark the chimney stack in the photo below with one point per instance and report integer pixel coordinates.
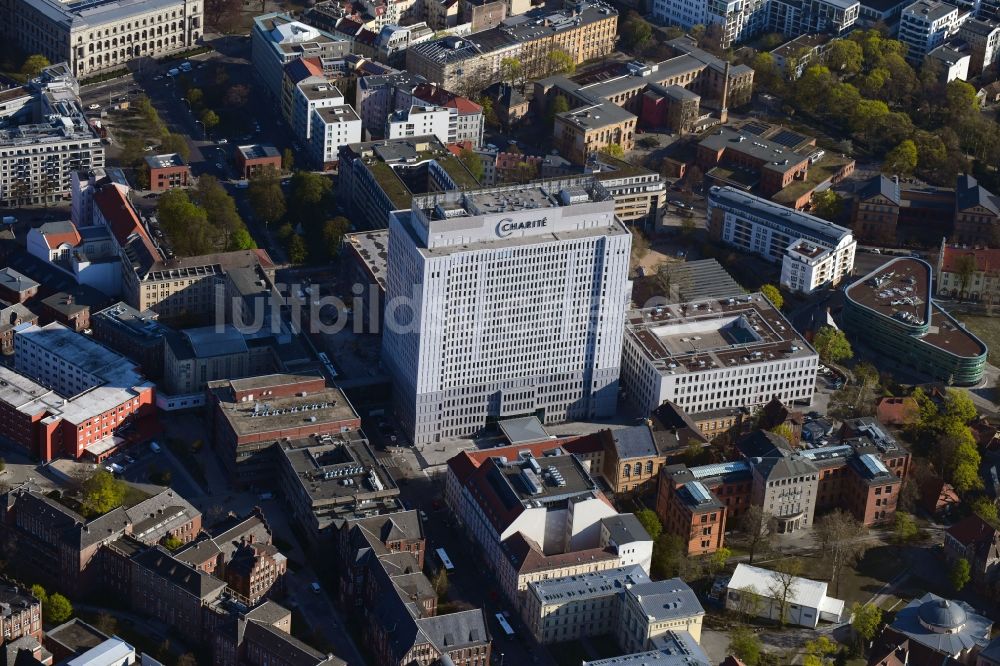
(724, 105)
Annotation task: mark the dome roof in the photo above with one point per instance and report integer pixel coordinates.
(942, 615)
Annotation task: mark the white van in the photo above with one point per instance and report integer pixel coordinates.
(154, 447)
(315, 587)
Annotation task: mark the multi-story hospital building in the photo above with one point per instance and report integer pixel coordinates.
(503, 302)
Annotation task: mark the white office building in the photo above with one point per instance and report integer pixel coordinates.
(739, 19)
(927, 24)
(419, 121)
(95, 36)
(44, 139)
(277, 39)
(715, 354)
(812, 252)
(505, 302)
(333, 127)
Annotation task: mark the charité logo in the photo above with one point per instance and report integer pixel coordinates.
(507, 226)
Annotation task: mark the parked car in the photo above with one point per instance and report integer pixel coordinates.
(94, 107)
(223, 142)
(154, 447)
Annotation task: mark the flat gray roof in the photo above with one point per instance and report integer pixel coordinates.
(799, 223)
(589, 585)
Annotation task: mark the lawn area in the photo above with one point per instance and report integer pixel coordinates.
(876, 568)
(986, 329)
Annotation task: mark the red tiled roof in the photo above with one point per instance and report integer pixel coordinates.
(71, 238)
(897, 411)
(303, 68)
(972, 530)
(987, 259)
(466, 462)
(457, 148)
(435, 94)
(121, 217)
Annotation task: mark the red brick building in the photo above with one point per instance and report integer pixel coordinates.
(862, 474)
(64, 308)
(167, 171)
(251, 415)
(52, 406)
(256, 159)
(15, 287)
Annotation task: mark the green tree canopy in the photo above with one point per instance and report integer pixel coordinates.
(902, 159)
(561, 62)
(101, 493)
(266, 197)
(39, 592)
(296, 249)
(210, 119)
(904, 527)
(33, 66)
(831, 344)
(773, 294)
(827, 204)
(745, 645)
(557, 106)
(636, 32)
(185, 223)
(845, 57)
(57, 609)
(175, 143)
(511, 70)
(960, 574)
(866, 620)
(650, 522)
(614, 150)
(472, 162)
(333, 234)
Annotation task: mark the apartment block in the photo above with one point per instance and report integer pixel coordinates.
(332, 127)
(257, 159)
(925, 25)
(418, 121)
(46, 137)
(584, 32)
(983, 38)
(68, 552)
(277, 39)
(813, 253)
(96, 37)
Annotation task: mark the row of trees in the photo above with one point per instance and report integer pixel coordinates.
(912, 121)
(203, 220)
(304, 218)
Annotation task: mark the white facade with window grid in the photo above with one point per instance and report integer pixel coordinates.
(520, 297)
(710, 355)
(812, 252)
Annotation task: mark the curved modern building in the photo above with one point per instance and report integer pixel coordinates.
(892, 309)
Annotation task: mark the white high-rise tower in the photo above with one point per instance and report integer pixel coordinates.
(505, 302)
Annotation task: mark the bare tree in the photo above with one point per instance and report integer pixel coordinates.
(783, 586)
(842, 538)
(758, 527)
